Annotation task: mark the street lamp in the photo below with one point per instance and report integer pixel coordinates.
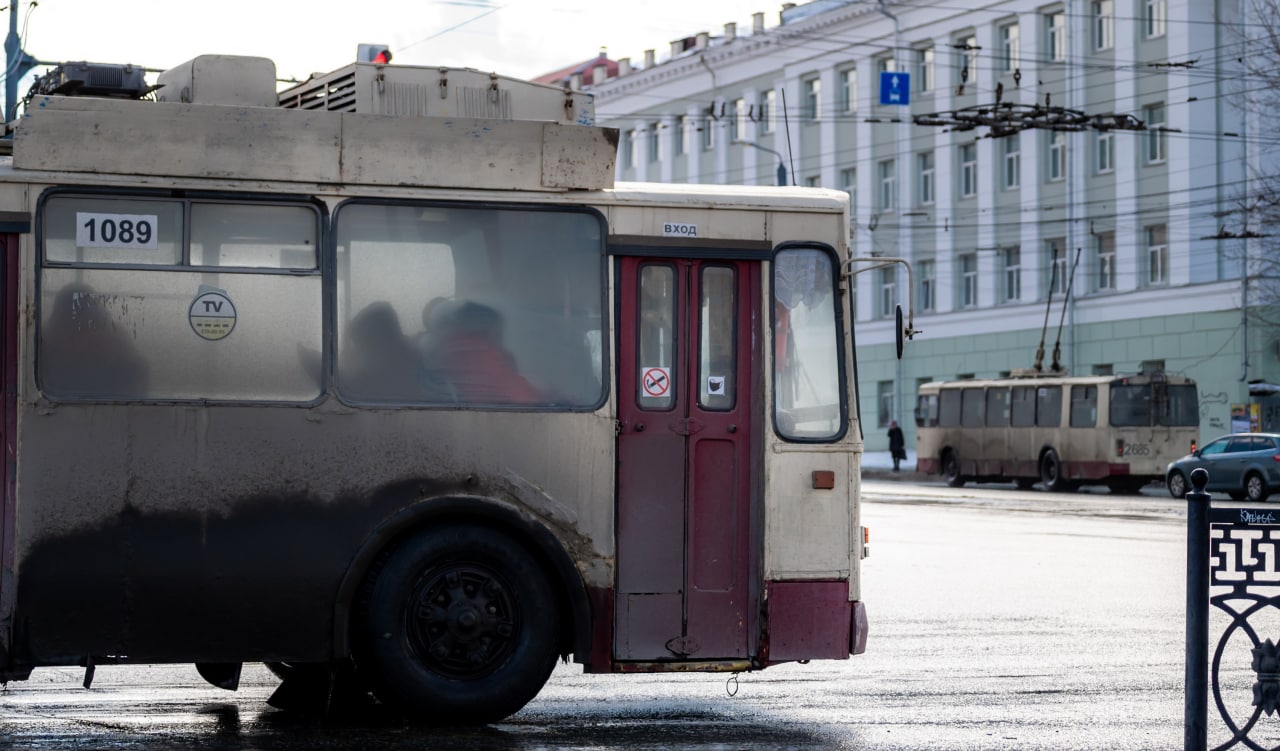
(782, 167)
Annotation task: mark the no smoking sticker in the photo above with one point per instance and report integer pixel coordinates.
(655, 382)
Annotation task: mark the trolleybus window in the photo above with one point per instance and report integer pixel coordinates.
(997, 407)
(124, 315)
(971, 408)
(480, 306)
(656, 340)
(809, 403)
(1049, 406)
(1174, 405)
(949, 408)
(717, 352)
(1084, 406)
(1024, 406)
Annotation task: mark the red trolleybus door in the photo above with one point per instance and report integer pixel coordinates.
(689, 333)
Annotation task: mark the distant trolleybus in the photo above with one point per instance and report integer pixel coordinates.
(382, 381)
(1063, 431)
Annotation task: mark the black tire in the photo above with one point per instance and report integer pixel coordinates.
(951, 470)
(1177, 484)
(1255, 488)
(458, 625)
(1051, 473)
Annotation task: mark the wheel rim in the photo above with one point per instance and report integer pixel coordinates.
(1254, 486)
(950, 467)
(463, 621)
(1050, 473)
(1177, 485)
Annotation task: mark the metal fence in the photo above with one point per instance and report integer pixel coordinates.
(1233, 577)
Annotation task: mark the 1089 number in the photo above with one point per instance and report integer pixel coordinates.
(116, 230)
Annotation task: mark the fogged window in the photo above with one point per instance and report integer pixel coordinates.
(124, 316)
(1084, 406)
(997, 407)
(949, 408)
(1153, 404)
(1049, 406)
(479, 306)
(809, 400)
(254, 236)
(927, 411)
(972, 407)
(1023, 413)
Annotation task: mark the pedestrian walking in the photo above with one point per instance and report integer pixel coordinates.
(897, 445)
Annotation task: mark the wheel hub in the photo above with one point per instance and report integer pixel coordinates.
(463, 621)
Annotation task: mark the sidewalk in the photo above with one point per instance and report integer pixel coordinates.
(879, 464)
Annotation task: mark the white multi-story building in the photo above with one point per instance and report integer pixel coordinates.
(1141, 224)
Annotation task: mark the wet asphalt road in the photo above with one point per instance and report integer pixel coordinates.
(1000, 620)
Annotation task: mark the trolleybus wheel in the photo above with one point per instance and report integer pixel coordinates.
(951, 470)
(1177, 484)
(457, 625)
(1051, 473)
(1255, 488)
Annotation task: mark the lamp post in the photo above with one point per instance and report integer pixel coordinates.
(782, 166)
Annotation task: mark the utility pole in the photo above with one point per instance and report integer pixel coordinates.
(17, 64)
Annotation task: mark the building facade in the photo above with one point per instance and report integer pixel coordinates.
(1133, 204)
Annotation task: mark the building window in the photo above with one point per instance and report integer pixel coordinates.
(968, 63)
(968, 170)
(924, 69)
(849, 90)
(1011, 259)
(813, 181)
(1153, 115)
(1157, 255)
(888, 292)
(926, 177)
(1010, 47)
(708, 134)
(928, 274)
(884, 402)
(849, 184)
(1055, 252)
(655, 142)
(1105, 368)
(767, 109)
(1057, 155)
(1104, 24)
(812, 99)
(739, 119)
(969, 280)
(1105, 242)
(1153, 17)
(1012, 148)
(629, 147)
(886, 65)
(1105, 151)
(1055, 27)
(682, 140)
(888, 185)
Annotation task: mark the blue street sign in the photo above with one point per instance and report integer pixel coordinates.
(895, 88)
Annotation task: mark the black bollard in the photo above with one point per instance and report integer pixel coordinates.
(1196, 710)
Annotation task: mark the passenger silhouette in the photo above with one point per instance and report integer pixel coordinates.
(467, 351)
(378, 362)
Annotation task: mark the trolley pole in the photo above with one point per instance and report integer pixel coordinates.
(17, 63)
(1196, 711)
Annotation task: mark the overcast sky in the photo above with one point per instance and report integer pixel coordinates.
(520, 38)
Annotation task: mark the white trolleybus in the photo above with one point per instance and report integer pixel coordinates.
(1060, 430)
(381, 379)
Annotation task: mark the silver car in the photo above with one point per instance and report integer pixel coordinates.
(1245, 466)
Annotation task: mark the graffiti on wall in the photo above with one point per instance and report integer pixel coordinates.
(1214, 417)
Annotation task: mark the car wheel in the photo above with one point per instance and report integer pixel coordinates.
(951, 470)
(1255, 488)
(458, 625)
(1051, 473)
(1177, 484)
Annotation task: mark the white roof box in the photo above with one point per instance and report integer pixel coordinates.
(220, 79)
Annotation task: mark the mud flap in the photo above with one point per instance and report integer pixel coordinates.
(858, 630)
(221, 674)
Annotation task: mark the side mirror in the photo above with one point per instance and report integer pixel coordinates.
(898, 330)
